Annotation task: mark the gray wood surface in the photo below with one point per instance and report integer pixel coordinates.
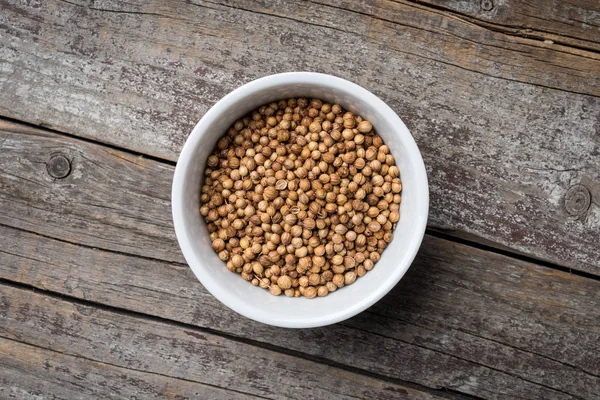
(462, 319)
(503, 98)
(74, 341)
(110, 199)
(29, 372)
(507, 125)
(574, 23)
(135, 192)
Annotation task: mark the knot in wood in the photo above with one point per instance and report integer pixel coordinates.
(59, 167)
(487, 5)
(577, 200)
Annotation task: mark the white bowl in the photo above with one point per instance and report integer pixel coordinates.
(259, 304)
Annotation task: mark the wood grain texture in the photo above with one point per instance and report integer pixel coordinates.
(501, 154)
(160, 356)
(32, 373)
(120, 202)
(462, 319)
(444, 38)
(575, 22)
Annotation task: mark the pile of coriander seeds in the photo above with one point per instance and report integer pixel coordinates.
(301, 197)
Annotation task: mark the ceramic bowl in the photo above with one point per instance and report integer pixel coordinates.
(259, 304)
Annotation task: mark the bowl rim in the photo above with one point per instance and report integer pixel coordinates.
(187, 155)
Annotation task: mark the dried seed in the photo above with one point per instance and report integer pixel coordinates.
(281, 184)
(300, 197)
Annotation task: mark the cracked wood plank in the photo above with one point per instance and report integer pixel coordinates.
(136, 219)
(146, 74)
(32, 373)
(441, 37)
(574, 22)
(85, 345)
(120, 202)
(462, 318)
(501, 154)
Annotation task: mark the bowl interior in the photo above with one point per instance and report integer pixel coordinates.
(257, 303)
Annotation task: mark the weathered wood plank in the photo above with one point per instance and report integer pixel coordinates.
(441, 37)
(159, 355)
(501, 155)
(120, 202)
(110, 199)
(32, 373)
(461, 319)
(575, 23)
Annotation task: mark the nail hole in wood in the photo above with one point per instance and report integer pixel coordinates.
(58, 167)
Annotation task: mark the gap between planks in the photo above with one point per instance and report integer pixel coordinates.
(118, 367)
(450, 393)
(446, 13)
(475, 242)
(447, 139)
(380, 324)
(532, 34)
(495, 248)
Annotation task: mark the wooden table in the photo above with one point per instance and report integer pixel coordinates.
(97, 98)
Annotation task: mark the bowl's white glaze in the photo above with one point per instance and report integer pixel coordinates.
(256, 303)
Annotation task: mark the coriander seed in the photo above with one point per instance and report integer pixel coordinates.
(322, 291)
(349, 277)
(310, 292)
(284, 282)
(275, 290)
(301, 197)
